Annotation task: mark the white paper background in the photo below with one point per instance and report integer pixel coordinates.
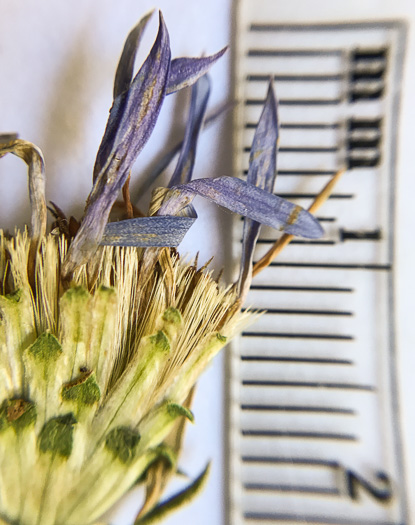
(57, 61)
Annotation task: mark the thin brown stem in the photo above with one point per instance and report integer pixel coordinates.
(127, 200)
(285, 240)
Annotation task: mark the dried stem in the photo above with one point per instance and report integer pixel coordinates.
(285, 240)
(127, 200)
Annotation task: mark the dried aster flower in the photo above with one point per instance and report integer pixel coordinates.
(104, 330)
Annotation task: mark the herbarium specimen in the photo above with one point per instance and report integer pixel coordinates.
(104, 329)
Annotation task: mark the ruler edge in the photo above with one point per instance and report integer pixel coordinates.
(402, 27)
(395, 397)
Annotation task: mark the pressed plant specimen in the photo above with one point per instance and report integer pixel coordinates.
(104, 328)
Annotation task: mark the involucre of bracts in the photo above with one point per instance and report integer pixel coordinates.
(93, 378)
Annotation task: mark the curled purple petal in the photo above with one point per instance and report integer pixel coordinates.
(147, 231)
(186, 71)
(130, 124)
(124, 73)
(262, 159)
(261, 173)
(134, 112)
(198, 104)
(246, 199)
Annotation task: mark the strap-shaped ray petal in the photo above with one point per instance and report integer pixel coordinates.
(198, 104)
(245, 199)
(147, 231)
(125, 69)
(234, 194)
(130, 124)
(135, 111)
(261, 173)
(186, 71)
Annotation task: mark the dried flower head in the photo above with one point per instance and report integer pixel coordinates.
(104, 329)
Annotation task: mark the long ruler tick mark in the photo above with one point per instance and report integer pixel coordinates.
(300, 126)
(299, 408)
(308, 384)
(300, 102)
(300, 489)
(311, 519)
(294, 53)
(298, 149)
(297, 335)
(297, 288)
(339, 266)
(299, 311)
(333, 196)
(299, 461)
(302, 360)
(294, 434)
(338, 77)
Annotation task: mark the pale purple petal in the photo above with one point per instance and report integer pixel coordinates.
(125, 68)
(246, 199)
(262, 159)
(147, 231)
(131, 122)
(261, 173)
(186, 71)
(134, 112)
(198, 104)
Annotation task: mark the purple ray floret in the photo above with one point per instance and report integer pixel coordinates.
(131, 121)
(147, 231)
(135, 111)
(136, 106)
(125, 69)
(198, 104)
(186, 71)
(246, 199)
(262, 172)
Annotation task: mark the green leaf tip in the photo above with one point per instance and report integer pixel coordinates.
(172, 315)
(56, 435)
(162, 453)
(167, 454)
(46, 348)
(107, 290)
(4, 424)
(162, 510)
(221, 338)
(160, 341)
(106, 293)
(175, 410)
(84, 390)
(13, 297)
(77, 292)
(122, 443)
(17, 413)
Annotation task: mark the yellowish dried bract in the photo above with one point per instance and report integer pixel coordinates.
(94, 377)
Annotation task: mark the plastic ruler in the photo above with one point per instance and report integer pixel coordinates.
(314, 424)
